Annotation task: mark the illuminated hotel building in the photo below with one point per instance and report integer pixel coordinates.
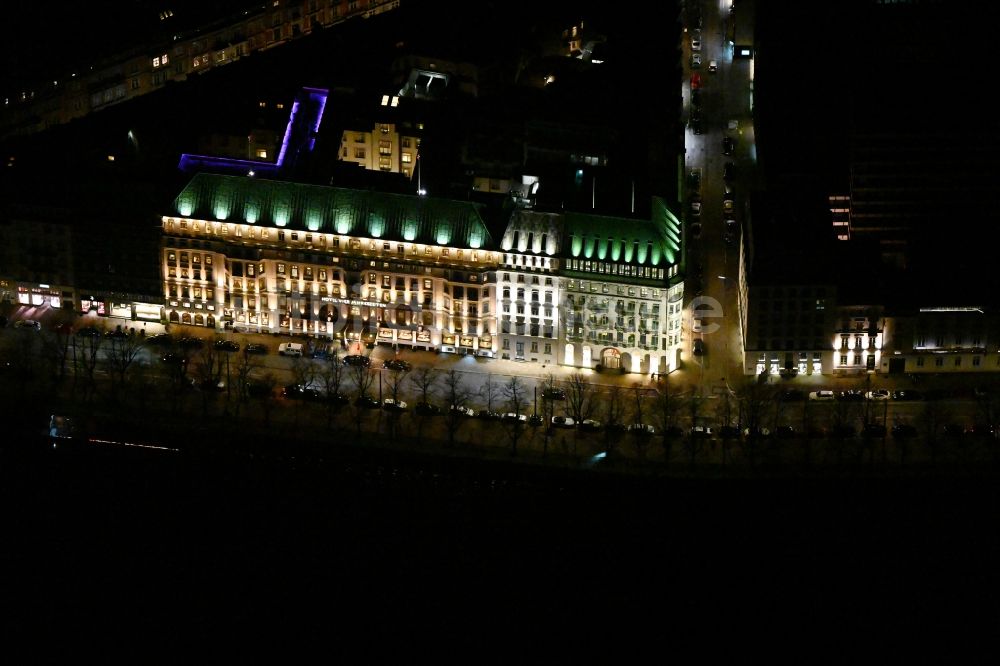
(273, 256)
(367, 267)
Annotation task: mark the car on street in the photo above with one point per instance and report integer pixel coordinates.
(227, 345)
(729, 172)
(696, 230)
(695, 44)
(731, 225)
(160, 339)
(535, 421)
(553, 394)
(698, 347)
(757, 432)
(728, 206)
(118, 333)
(393, 405)
(590, 425)
(27, 323)
(701, 431)
(695, 60)
(713, 66)
(191, 343)
(357, 360)
(512, 417)
(255, 348)
(906, 394)
(698, 325)
(842, 431)
(487, 415)
(873, 430)
(792, 395)
(301, 392)
(852, 395)
(694, 179)
(88, 332)
(903, 431)
(822, 395)
(170, 358)
(696, 97)
(366, 402)
(696, 208)
(397, 364)
(727, 145)
(877, 394)
(462, 410)
(729, 237)
(427, 409)
(642, 429)
(695, 80)
(563, 422)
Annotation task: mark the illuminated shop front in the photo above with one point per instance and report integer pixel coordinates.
(39, 296)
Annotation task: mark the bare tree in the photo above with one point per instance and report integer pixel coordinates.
(242, 381)
(303, 371)
(87, 355)
(613, 416)
(332, 375)
(425, 380)
(578, 397)
(395, 380)
(515, 395)
(756, 400)
(457, 395)
(665, 413)
(361, 378)
(488, 392)
(208, 374)
(122, 351)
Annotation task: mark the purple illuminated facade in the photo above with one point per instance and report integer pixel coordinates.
(300, 136)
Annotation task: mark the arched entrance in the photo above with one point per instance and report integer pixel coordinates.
(210, 321)
(328, 314)
(568, 355)
(199, 320)
(611, 358)
(186, 318)
(174, 317)
(587, 362)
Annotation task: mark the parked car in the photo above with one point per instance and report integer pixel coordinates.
(366, 402)
(701, 431)
(727, 145)
(397, 364)
(907, 394)
(873, 430)
(191, 343)
(822, 395)
(393, 405)
(792, 395)
(903, 431)
(696, 230)
(118, 333)
(300, 392)
(729, 432)
(590, 425)
(463, 410)
(512, 417)
(170, 358)
(487, 415)
(713, 66)
(88, 332)
(698, 347)
(877, 394)
(255, 348)
(563, 422)
(535, 420)
(227, 345)
(695, 44)
(642, 429)
(357, 360)
(160, 339)
(852, 395)
(553, 394)
(695, 208)
(758, 432)
(728, 206)
(427, 409)
(28, 323)
(695, 60)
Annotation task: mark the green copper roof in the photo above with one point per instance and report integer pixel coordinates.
(653, 242)
(333, 210)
